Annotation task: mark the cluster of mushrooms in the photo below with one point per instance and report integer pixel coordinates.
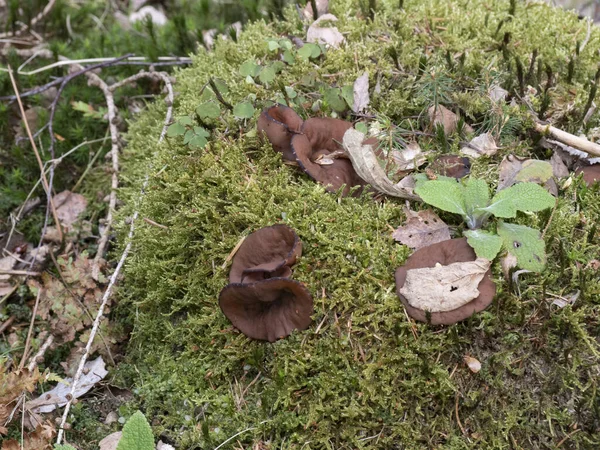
(262, 301)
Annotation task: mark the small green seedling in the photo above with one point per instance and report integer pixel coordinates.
(193, 136)
(471, 199)
(137, 434)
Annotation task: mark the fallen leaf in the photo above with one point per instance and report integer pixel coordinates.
(37, 440)
(111, 441)
(12, 385)
(6, 264)
(514, 169)
(361, 93)
(497, 94)
(409, 158)
(561, 302)
(594, 264)
(473, 364)
(325, 35)
(445, 117)
(444, 288)
(93, 372)
(559, 168)
(421, 229)
(451, 166)
(68, 207)
(482, 145)
(507, 263)
(322, 8)
(367, 167)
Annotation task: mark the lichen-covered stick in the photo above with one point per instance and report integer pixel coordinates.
(113, 278)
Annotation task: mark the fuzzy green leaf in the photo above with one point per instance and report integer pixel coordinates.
(243, 110)
(446, 195)
(477, 194)
(527, 197)
(249, 68)
(525, 243)
(175, 129)
(267, 75)
(362, 127)
(486, 244)
(137, 434)
(208, 110)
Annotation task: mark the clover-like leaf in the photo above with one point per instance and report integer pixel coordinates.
(208, 110)
(185, 120)
(486, 244)
(267, 75)
(348, 95)
(443, 194)
(288, 57)
(334, 99)
(197, 142)
(525, 243)
(175, 129)
(137, 434)
(273, 45)
(528, 197)
(189, 134)
(286, 44)
(200, 131)
(243, 110)
(249, 68)
(309, 51)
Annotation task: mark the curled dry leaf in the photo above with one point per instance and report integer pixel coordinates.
(94, 371)
(409, 158)
(561, 302)
(361, 93)
(421, 229)
(482, 145)
(367, 167)
(445, 117)
(515, 170)
(473, 364)
(324, 35)
(444, 288)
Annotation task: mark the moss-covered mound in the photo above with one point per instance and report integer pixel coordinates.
(363, 375)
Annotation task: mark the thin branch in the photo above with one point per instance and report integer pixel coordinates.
(567, 138)
(214, 87)
(33, 362)
(34, 21)
(29, 333)
(37, 155)
(113, 278)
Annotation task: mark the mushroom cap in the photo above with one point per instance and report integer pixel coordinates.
(280, 123)
(452, 166)
(322, 137)
(268, 310)
(266, 253)
(591, 174)
(446, 252)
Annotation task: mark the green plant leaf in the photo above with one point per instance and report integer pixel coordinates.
(185, 120)
(535, 170)
(288, 57)
(486, 244)
(267, 75)
(362, 127)
(477, 194)
(273, 45)
(64, 447)
(197, 142)
(221, 86)
(316, 51)
(443, 194)
(200, 131)
(333, 97)
(348, 94)
(529, 197)
(243, 110)
(286, 43)
(291, 93)
(309, 51)
(249, 68)
(175, 129)
(137, 434)
(525, 243)
(189, 134)
(208, 110)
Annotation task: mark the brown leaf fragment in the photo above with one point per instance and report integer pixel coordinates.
(444, 288)
(422, 228)
(325, 35)
(482, 145)
(445, 117)
(111, 441)
(451, 166)
(514, 169)
(472, 363)
(559, 168)
(68, 207)
(361, 93)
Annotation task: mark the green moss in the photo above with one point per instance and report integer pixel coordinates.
(368, 378)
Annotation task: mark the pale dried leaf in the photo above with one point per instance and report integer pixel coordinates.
(322, 8)
(367, 166)
(444, 288)
(507, 263)
(421, 229)
(111, 441)
(94, 372)
(497, 94)
(326, 35)
(559, 168)
(7, 263)
(482, 145)
(473, 364)
(445, 117)
(158, 17)
(68, 207)
(409, 158)
(561, 302)
(361, 93)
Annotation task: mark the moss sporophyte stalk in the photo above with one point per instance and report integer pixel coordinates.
(363, 375)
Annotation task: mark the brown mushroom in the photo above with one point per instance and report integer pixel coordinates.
(591, 174)
(266, 253)
(452, 166)
(446, 252)
(268, 310)
(279, 123)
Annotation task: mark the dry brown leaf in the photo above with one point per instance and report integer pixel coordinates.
(68, 207)
(361, 93)
(421, 229)
(325, 35)
(40, 439)
(409, 158)
(445, 117)
(559, 168)
(444, 288)
(111, 441)
(94, 372)
(482, 145)
(322, 8)
(367, 167)
(473, 364)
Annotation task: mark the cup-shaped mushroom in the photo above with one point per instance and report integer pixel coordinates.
(446, 253)
(321, 137)
(267, 310)
(266, 253)
(591, 174)
(279, 123)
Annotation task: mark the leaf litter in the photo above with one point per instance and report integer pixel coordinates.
(421, 229)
